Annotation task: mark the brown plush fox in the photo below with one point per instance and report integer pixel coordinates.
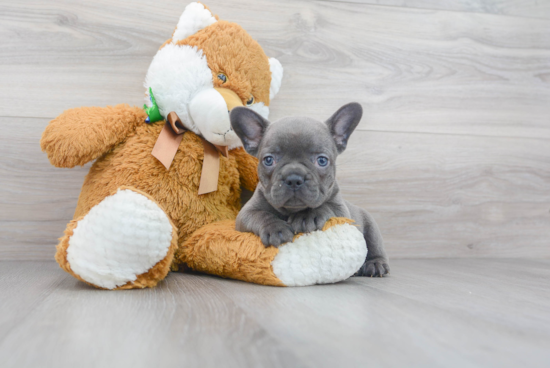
(138, 217)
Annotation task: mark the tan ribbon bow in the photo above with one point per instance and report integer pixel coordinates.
(167, 145)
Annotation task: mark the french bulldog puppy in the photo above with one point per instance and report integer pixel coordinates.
(298, 191)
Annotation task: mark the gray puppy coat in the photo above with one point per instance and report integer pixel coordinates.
(298, 191)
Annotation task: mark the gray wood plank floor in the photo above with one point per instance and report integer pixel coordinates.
(428, 313)
(451, 156)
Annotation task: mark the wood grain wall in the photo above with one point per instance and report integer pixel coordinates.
(452, 156)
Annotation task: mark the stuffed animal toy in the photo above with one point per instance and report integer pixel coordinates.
(165, 187)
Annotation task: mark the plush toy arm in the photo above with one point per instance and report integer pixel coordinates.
(83, 134)
(320, 257)
(248, 168)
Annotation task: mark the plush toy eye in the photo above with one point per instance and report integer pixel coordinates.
(250, 101)
(322, 161)
(268, 160)
(222, 77)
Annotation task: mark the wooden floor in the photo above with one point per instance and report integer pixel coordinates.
(428, 313)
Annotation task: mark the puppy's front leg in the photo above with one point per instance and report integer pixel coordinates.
(269, 227)
(310, 219)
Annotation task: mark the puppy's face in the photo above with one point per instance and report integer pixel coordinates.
(297, 170)
(297, 155)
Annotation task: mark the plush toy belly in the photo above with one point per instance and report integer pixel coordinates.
(321, 257)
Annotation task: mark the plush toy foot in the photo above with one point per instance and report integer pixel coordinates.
(320, 257)
(125, 242)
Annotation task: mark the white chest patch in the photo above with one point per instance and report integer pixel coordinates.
(321, 257)
(122, 237)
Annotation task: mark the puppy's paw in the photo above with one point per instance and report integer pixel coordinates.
(276, 233)
(377, 267)
(309, 220)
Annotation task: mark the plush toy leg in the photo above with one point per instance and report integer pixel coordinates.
(125, 242)
(321, 257)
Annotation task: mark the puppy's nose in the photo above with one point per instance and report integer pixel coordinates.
(294, 181)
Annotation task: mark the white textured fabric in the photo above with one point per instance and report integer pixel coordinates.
(261, 109)
(194, 18)
(321, 257)
(276, 77)
(208, 110)
(122, 237)
(176, 75)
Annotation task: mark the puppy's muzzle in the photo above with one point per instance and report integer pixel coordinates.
(294, 187)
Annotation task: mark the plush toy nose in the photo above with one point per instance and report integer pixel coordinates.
(231, 98)
(294, 181)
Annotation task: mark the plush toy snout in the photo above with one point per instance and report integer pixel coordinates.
(209, 110)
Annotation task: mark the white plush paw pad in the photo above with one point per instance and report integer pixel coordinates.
(321, 257)
(120, 238)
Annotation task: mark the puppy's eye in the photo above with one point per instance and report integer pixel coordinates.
(322, 161)
(222, 77)
(269, 160)
(250, 101)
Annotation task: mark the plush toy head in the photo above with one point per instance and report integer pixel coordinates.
(208, 67)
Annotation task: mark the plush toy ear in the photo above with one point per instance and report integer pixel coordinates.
(343, 123)
(276, 77)
(249, 126)
(194, 18)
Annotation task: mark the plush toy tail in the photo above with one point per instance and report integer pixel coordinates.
(322, 257)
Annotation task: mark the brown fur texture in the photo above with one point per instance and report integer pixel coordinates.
(245, 79)
(219, 249)
(130, 164)
(121, 142)
(81, 135)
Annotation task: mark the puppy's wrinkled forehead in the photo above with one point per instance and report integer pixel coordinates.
(298, 135)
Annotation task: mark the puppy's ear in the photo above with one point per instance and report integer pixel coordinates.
(249, 126)
(343, 123)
